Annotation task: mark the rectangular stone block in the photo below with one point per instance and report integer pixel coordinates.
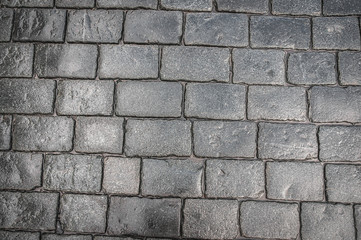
(277, 103)
(122, 238)
(177, 178)
(187, 5)
(235, 179)
(224, 139)
(26, 96)
(210, 219)
(33, 133)
(27, 3)
(149, 99)
(253, 66)
(84, 97)
(16, 59)
(217, 29)
(30, 211)
(195, 64)
(335, 104)
(144, 217)
(77, 173)
(65, 237)
(128, 62)
(341, 7)
(215, 101)
(349, 65)
(148, 26)
(269, 220)
(5, 131)
(297, 7)
(69, 60)
(74, 4)
(103, 26)
(246, 6)
(19, 235)
(358, 220)
(128, 4)
(6, 22)
(280, 32)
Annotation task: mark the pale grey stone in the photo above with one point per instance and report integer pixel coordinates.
(297, 7)
(75, 4)
(127, 4)
(16, 59)
(341, 7)
(349, 65)
(246, 6)
(5, 131)
(358, 220)
(6, 22)
(188, 5)
(65, 237)
(19, 235)
(27, 3)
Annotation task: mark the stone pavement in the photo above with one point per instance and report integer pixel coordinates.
(180, 119)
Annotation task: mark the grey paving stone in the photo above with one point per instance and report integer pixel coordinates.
(252, 66)
(224, 139)
(340, 143)
(144, 217)
(69, 60)
(26, 96)
(335, 220)
(195, 64)
(297, 7)
(78, 173)
(75, 4)
(30, 211)
(103, 26)
(179, 178)
(335, 104)
(215, 101)
(20, 170)
(87, 97)
(210, 219)
(358, 220)
(16, 59)
(128, 4)
(247, 6)
(188, 5)
(116, 238)
(148, 26)
(128, 62)
(269, 219)
(336, 33)
(5, 131)
(341, 7)
(349, 64)
(121, 175)
(83, 213)
(33, 133)
(287, 141)
(234, 178)
(295, 181)
(6, 22)
(44, 25)
(173, 138)
(217, 29)
(312, 68)
(66, 237)
(19, 235)
(277, 103)
(99, 134)
(280, 32)
(27, 3)
(149, 99)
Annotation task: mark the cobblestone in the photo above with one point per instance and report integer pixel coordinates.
(127, 4)
(350, 68)
(248, 6)
(6, 20)
(19, 235)
(189, 5)
(27, 3)
(338, 7)
(297, 7)
(16, 60)
(75, 4)
(5, 131)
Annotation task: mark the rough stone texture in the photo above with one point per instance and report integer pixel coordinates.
(210, 219)
(312, 68)
(127, 4)
(121, 175)
(287, 141)
(217, 29)
(280, 32)
(19, 235)
(102, 26)
(99, 134)
(297, 7)
(5, 131)
(74, 4)
(336, 33)
(277, 103)
(235, 179)
(358, 220)
(173, 138)
(341, 7)
(121, 238)
(145, 217)
(247, 6)
(128, 62)
(336, 221)
(66, 237)
(83, 213)
(195, 64)
(149, 99)
(188, 5)
(215, 101)
(6, 20)
(33, 133)
(335, 104)
(295, 181)
(224, 139)
(72, 173)
(349, 65)
(269, 220)
(16, 59)
(148, 26)
(340, 143)
(180, 178)
(44, 25)
(258, 66)
(84, 97)
(27, 3)
(71, 60)
(31, 211)
(26, 96)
